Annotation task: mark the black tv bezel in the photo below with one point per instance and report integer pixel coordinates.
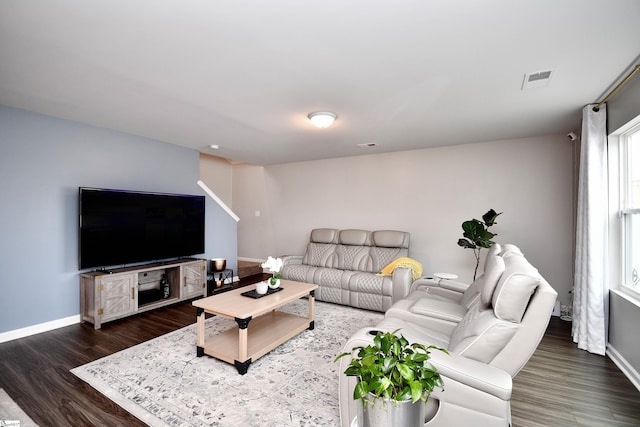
(143, 258)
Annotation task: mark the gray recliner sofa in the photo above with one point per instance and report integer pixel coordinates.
(345, 264)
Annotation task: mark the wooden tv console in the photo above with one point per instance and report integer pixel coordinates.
(114, 294)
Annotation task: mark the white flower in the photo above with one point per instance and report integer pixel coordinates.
(272, 264)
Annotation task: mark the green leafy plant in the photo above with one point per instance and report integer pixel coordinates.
(393, 369)
(477, 235)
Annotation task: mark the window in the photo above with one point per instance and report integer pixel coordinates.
(630, 206)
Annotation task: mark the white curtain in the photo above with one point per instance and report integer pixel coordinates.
(591, 294)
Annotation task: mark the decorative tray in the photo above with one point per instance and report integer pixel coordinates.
(253, 294)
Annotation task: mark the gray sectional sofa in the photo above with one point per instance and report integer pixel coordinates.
(345, 264)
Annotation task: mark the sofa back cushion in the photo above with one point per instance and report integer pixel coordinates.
(354, 237)
(391, 239)
(513, 292)
(510, 249)
(488, 328)
(494, 268)
(481, 335)
(355, 250)
(321, 249)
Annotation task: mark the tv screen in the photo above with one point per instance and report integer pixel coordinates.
(124, 227)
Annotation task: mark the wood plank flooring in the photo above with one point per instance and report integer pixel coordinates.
(560, 386)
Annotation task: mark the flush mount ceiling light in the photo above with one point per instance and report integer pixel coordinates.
(322, 119)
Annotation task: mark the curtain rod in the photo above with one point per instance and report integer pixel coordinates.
(615, 89)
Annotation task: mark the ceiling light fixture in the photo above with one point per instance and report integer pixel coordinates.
(322, 119)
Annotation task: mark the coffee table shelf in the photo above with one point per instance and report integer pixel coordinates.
(260, 327)
(263, 335)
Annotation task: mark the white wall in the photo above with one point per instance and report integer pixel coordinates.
(427, 192)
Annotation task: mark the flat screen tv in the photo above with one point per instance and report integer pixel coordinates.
(124, 227)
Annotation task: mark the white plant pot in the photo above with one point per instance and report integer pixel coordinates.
(261, 288)
(274, 286)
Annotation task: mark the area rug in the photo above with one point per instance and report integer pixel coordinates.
(11, 415)
(163, 383)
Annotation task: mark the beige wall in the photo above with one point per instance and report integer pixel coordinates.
(217, 174)
(427, 192)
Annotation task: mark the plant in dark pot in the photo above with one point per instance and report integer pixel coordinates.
(477, 235)
(395, 379)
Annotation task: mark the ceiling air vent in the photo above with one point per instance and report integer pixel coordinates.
(537, 79)
(367, 145)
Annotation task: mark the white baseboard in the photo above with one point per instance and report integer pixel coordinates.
(628, 370)
(39, 328)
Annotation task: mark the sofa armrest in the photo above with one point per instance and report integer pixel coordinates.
(291, 259)
(401, 279)
(447, 288)
(473, 374)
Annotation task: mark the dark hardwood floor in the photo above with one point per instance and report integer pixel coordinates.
(560, 386)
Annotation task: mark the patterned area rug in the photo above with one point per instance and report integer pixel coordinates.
(163, 383)
(11, 415)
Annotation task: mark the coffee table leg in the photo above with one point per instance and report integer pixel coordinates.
(312, 298)
(243, 325)
(200, 333)
(242, 367)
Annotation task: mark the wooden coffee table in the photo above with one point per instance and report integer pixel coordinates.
(261, 328)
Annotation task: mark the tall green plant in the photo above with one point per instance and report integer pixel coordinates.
(477, 235)
(393, 369)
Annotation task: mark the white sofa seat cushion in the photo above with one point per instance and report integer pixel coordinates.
(439, 308)
(413, 332)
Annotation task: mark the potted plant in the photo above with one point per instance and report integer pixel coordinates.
(395, 379)
(477, 235)
(273, 265)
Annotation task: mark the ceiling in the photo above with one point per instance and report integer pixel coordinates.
(244, 74)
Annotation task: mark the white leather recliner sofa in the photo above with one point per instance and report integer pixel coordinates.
(441, 304)
(345, 266)
(490, 344)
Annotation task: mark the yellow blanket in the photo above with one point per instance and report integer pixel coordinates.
(415, 266)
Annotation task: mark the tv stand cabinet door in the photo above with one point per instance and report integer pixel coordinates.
(117, 296)
(194, 279)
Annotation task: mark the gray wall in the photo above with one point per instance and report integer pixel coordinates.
(427, 192)
(43, 161)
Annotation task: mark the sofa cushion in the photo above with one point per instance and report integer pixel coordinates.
(324, 235)
(510, 249)
(355, 237)
(353, 257)
(391, 239)
(480, 335)
(439, 309)
(321, 255)
(493, 269)
(513, 292)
